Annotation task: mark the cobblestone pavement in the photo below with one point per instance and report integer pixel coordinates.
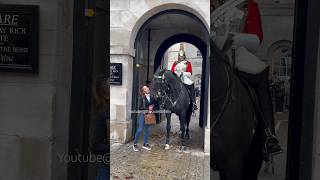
(158, 163)
(279, 161)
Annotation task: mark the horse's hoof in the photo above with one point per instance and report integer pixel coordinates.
(167, 147)
(187, 136)
(183, 148)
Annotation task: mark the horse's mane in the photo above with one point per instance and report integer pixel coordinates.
(176, 84)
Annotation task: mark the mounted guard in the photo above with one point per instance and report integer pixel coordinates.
(183, 69)
(237, 31)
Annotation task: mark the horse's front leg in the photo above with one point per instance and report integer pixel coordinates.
(182, 118)
(188, 118)
(168, 116)
(187, 131)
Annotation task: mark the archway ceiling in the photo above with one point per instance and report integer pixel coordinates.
(171, 24)
(173, 21)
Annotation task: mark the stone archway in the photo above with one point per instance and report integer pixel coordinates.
(147, 16)
(128, 20)
(272, 52)
(202, 46)
(159, 32)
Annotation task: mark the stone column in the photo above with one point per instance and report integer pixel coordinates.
(207, 128)
(121, 100)
(121, 22)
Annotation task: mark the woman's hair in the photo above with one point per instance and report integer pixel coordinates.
(101, 90)
(141, 93)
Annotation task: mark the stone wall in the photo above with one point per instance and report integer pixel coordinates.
(120, 96)
(34, 109)
(277, 23)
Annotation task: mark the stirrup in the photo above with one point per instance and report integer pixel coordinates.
(275, 153)
(268, 132)
(266, 154)
(265, 149)
(270, 136)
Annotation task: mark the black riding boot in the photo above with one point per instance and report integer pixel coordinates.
(261, 86)
(192, 97)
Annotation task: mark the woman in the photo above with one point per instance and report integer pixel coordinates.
(100, 135)
(146, 105)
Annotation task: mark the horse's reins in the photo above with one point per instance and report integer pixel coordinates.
(168, 98)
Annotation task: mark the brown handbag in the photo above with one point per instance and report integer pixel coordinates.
(149, 119)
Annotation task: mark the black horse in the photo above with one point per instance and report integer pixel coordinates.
(174, 99)
(237, 137)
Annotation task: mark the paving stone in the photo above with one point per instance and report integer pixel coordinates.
(158, 163)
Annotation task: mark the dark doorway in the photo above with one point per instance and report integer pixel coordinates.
(202, 46)
(305, 57)
(89, 60)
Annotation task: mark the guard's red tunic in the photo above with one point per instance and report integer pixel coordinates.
(188, 68)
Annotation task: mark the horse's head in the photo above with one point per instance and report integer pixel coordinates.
(158, 84)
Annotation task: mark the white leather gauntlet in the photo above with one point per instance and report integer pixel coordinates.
(188, 74)
(250, 41)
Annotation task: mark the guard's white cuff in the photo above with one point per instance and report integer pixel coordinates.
(249, 41)
(188, 74)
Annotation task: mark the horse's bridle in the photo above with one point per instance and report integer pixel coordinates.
(164, 92)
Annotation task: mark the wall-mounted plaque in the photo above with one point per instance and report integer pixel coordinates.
(19, 36)
(116, 73)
